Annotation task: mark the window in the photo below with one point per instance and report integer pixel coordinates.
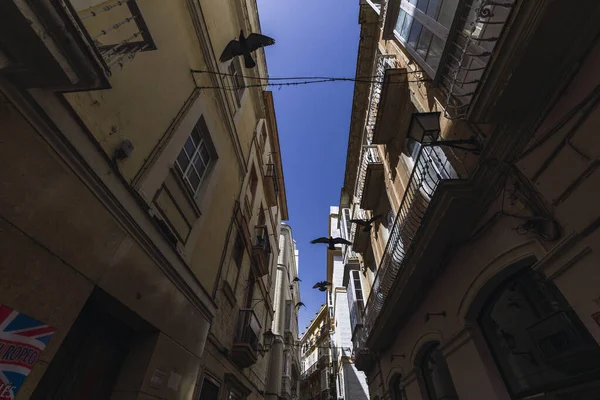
(238, 250)
(210, 389)
(436, 378)
(347, 222)
(422, 26)
(540, 345)
(397, 388)
(358, 290)
(237, 80)
(253, 185)
(234, 395)
(197, 157)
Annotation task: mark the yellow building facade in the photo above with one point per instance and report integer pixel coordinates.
(141, 198)
(473, 151)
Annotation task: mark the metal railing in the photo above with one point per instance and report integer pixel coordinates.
(117, 29)
(248, 329)
(271, 173)
(261, 235)
(314, 367)
(482, 23)
(431, 167)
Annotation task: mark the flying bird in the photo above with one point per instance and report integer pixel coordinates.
(322, 286)
(244, 46)
(300, 304)
(331, 242)
(366, 223)
(296, 279)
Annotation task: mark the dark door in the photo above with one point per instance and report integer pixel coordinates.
(89, 361)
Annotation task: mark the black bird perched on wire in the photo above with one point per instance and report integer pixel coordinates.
(331, 242)
(366, 223)
(322, 286)
(300, 304)
(296, 279)
(244, 46)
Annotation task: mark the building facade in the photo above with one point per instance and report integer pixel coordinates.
(140, 201)
(317, 359)
(284, 365)
(474, 151)
(345, 301)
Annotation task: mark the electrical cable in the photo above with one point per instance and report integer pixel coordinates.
(266, 85)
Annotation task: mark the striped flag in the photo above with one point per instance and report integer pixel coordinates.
(22, 340)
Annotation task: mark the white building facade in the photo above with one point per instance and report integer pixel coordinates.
(284, 372)
(345, 302)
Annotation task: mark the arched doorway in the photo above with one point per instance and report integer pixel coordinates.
(538, 342)
(434, 377)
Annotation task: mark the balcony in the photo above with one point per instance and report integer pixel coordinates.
(59, 46)
(389, 298)
(261, 251)
(323, 361)
(395, 107)
(245, 347)
(501, 54)
(271, 185)
(360, 238)
(372, 177)
(310, 371)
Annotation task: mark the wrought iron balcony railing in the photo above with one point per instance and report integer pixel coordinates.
(470, 51)
(248, 329)
(430, 168)
(117, 29)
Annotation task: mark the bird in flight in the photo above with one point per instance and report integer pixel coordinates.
(322, 286)
(300, 304)
(296, 279)
(331, 242)
(366, 223)
(244, 46)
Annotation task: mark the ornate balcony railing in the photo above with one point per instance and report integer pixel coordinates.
(482, 23)
(431, 167)
(370, 155)
(117, 29)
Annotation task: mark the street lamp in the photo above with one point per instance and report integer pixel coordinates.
(425, 129)
(268, 339)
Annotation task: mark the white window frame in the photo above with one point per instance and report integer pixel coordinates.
(408, 10)
(197, 148)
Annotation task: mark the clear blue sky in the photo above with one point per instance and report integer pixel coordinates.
(312, 38)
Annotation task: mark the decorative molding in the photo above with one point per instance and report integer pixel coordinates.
(564, 268)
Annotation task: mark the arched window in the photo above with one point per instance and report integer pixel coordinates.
(435, 377)
(539, 344)
(397, 388)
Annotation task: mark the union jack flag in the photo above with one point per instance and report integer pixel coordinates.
(22, 340)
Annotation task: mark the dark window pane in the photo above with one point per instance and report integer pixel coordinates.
(196, 136)
(205, 155)
(414, 34)
(200, 167)
(210, 391)
(422, 5)
(424, 42)
(189, 147)
(183, 161)
(193, 179)
(432, 9)
(447, 12)
(435, 52)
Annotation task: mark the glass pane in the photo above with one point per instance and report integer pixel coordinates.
(413, 2)
(189, 147)
(400, 21)
(200, 167)
(435, 52)
(205, 155)
(432, 9)
(193, 179)
(414, 34)
(183, 161)
(422, 5)
(447, 12)
(406, 27)
(196, 136)
(424, 42)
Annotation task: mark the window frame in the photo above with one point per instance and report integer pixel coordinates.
(238, 83)
(200, 140)
(428, 23)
